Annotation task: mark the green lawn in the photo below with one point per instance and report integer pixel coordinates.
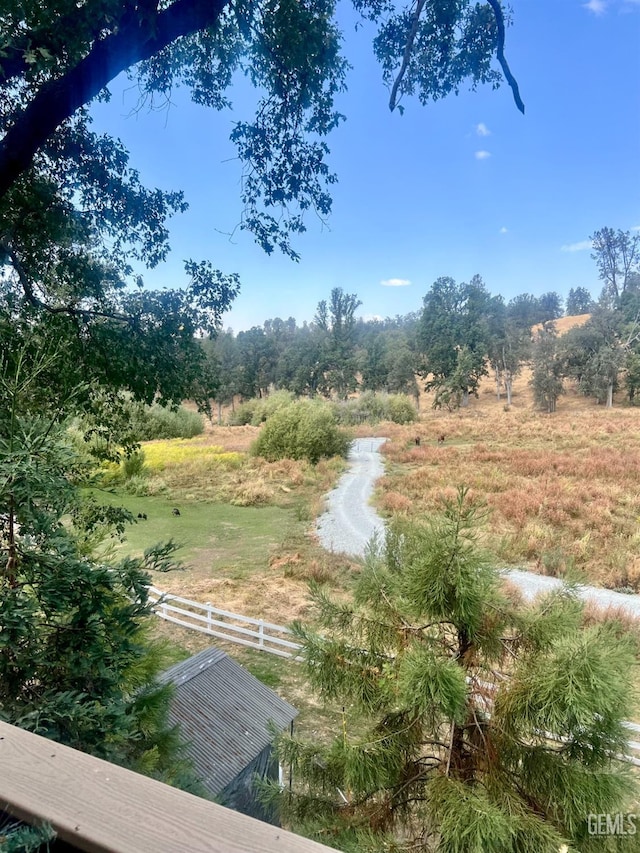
(233, 541)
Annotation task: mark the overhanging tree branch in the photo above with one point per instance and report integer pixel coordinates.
(511, 80)
(84, 314)
(58, 100)
(393, 100)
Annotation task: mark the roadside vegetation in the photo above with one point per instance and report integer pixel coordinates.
(561, 489)
(485, 724)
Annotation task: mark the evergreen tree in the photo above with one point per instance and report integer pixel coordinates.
(579, 301)
(76, 662)
(482, 725)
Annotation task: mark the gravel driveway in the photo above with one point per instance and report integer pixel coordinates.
(349, 523)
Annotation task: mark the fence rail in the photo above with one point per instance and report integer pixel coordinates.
(224, 625)
(268, 637)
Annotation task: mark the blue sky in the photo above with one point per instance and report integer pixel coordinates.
(467, 185)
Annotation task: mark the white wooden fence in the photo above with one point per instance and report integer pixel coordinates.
(242, 630)
(266, 636)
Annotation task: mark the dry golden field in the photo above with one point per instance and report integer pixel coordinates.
(563, 490)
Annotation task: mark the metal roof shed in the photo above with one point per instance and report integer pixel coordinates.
(226, 715)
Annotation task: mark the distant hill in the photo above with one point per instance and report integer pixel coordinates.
(564, 324)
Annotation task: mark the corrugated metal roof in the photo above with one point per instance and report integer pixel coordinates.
(224, 713)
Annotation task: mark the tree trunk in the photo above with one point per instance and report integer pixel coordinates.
(12, 549)
(508, 384)
(465, 398)
(219, 413)
(460, 759)
(610, 395)
(497, 371)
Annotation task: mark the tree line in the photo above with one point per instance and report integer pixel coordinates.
(462, 334)
(337, 353)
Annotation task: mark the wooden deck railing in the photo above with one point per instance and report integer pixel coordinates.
(101, 808)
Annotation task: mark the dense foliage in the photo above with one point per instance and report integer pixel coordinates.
(462, 333)
(483, 726)
(76, 662)
(152, 422)
(302, 430)
(370, 407)
(77, 224)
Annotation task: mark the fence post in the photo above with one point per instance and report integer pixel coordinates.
(208, 616)
(261, 635)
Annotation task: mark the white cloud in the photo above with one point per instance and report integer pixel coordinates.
(395, 282)
(482, 155)
(482, 129)
(504, 230)
(576, 247)
(598, 7)
(635, 228)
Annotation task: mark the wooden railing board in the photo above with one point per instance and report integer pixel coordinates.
(102, 808)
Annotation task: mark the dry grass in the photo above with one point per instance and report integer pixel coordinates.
(258, 561)
(563, 489)
(564, 324)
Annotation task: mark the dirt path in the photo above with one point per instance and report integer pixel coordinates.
(349, 523)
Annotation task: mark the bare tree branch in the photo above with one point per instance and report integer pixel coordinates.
(511, 80)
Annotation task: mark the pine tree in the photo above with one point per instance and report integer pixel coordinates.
(482, 724)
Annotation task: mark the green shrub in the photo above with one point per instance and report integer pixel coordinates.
(370, 407)
(268, 406)
(137, 485)
(257, 410)
(133, 465)
(401, 409)
(302, 430)
(244, 413)
(154, 422)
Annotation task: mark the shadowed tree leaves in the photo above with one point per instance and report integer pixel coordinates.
(76, 664)
(74, 216)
